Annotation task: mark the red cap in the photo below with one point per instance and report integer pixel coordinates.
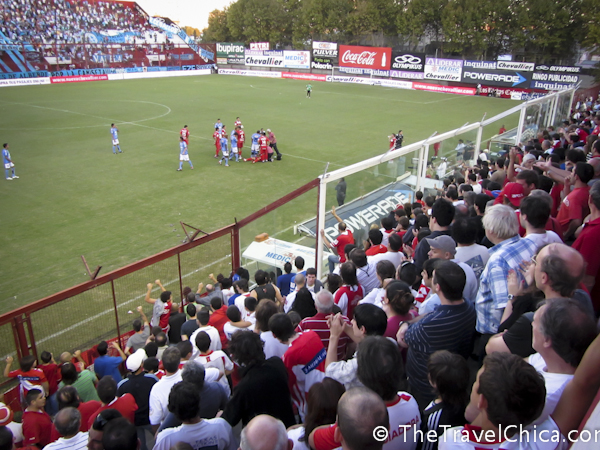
(514, 193)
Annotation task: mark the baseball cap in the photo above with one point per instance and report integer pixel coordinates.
(528, 157)
(135, 361)
(268, 130)
(444, 243)
(6, 415)
(513, 192)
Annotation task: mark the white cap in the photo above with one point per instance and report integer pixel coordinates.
(135, 361)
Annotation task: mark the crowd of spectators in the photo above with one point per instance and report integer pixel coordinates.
(66, 22)
(466, 316)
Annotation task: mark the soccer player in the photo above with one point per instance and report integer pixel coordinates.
(115, 138)
(234, 145)
(241, 139)
(263, 142)
(237, 122)
(8, 163)
(224, 151)
(183, 154)
(254, 149)
(217, 138)
(185, 134)
(219, 125)
(308, 90)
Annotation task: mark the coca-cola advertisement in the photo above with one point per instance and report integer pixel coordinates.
(365, 57)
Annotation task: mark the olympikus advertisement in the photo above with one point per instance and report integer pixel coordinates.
(557, 69)
(296, 59)
(230, 52)
(265, 59)
(443, 69)
(407, 65)
(365, 57)
(483, 75)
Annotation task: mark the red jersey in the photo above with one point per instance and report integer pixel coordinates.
(263, 142)
(340, 243)
(218, 319)
(318, 324)
(29, 380)
(392, 142)
(217, 138)
(574, 206)
(587, 243)
(347, 297)
(37, 428)
(163, 322)
(376, 249)
(305, 364)
(52, 374)
(185, 134)
(241, 137)
(125, 404)
(237, 123)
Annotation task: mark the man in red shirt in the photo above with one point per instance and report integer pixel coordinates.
(217, 137)
(318, 323)
(185, 134)
(375, 239)
(263, 143)
(107, 392)
(241, 138)
(574, 207)
(28, 375)
(37, 425)
(344, 238)
(588, 242)
(304, 359)
(218, 318)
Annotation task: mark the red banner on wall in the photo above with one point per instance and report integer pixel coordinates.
(304, 76)
(365, 57)
(444, 89)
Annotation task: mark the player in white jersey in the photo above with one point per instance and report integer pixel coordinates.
(114, 131)
(183, 154)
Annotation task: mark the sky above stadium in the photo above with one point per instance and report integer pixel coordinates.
(192, 13)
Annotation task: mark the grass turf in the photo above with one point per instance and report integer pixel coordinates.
(75, 197)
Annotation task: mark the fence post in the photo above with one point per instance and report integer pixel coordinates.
(180, 281)
(321, 205)
(235, 247)
(112, 286)
(20, 337)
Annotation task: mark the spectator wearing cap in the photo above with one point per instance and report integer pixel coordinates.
(139, 384)
(509, 251)
(574, 207)
(442, 215)
(511, 195)
(444, 247)
(6, 420)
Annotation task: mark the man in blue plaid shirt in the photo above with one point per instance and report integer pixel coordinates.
(509, 251)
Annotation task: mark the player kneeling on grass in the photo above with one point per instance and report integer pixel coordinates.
(224, 151)
(183, 154)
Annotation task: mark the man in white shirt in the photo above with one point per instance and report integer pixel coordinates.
(534, 214)
(203, 317)
(67, 422)
(159, 395)
(365, 271)
(562, 330)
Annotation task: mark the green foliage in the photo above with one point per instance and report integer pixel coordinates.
(536, 30)
(217, 30)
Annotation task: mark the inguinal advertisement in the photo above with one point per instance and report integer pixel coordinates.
(443, 69)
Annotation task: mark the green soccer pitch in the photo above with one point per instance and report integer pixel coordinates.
(75, 197)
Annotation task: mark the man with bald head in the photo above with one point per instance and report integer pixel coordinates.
(318, 323)
(588, 242)
(265, 433)
(556, 270)
(67, 422)
(360, 413)
(300, 282)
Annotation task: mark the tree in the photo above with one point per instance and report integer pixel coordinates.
(423, 18)
(217, 30)
(256, 21)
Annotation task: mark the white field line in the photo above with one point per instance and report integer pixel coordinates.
(131, 300)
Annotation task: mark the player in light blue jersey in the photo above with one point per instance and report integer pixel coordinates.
(9, 166)
(183, 154)
(219, 124)
(224, 151)
(255, 148)
(115, 138)
(234, 147)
